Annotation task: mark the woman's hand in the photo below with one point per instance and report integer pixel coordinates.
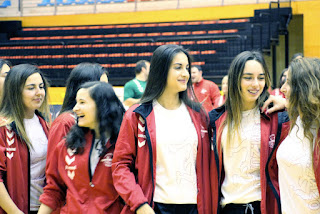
(279, 103)
(145, 209)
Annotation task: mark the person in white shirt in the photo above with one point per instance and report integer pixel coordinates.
(242, 135)
(24, 113)
(161, 160)
(298, 155)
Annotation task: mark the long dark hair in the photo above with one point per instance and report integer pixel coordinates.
(159, 67)
(109, 115)
(83, 72)
(234, 100)
(12, 106)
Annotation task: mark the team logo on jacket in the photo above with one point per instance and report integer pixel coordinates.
(272, 140)
(69, 159)
(107, 159)
(141, 132)
(10, 141)
(203, 91)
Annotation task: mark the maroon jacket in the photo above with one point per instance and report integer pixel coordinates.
(58, 130)
(274, 128)
(15, 165)
(134, 162)
(69, 181)
(207, 92)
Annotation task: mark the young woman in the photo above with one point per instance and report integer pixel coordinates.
(294, 164)
(243, 137)
(161, 158)
(23, 139)
(83, 72)
(89, 146)
(4, 69)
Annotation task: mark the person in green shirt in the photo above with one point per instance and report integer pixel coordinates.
(134, 89)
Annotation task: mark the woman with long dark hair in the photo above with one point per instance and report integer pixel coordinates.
(243, 138)
(83, 72)
(23, 139)
(161, 160)
(79, 176)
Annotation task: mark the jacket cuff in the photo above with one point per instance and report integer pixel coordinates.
(140, 206)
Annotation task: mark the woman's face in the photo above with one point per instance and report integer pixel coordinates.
(286, 87)
(224, 85)
(252, 84)
(178, 74)
(86, 110)
(3, 73)
(33, 94)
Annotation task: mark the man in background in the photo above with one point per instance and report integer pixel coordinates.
(207, 92)
(134, 89)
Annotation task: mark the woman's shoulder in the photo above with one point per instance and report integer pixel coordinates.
(65, 118)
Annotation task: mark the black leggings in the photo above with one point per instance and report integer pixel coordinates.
(160, 208)
(250, 208)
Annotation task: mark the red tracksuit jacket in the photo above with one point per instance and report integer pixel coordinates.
(15, 165)
(69, 181)
(274, 128)
(134, 162)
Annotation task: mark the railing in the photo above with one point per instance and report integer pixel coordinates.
(62, 7)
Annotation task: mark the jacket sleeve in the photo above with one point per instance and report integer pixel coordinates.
(54, 193)
(214, 94)
(124, 161)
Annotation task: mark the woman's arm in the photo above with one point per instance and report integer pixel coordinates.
(6, 202)
(123, 162)
(44, 209)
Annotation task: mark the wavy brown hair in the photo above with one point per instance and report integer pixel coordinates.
(304, 95)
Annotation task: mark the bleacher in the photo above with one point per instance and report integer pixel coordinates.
(213, 44)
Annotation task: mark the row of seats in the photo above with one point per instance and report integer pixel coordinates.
(56, 50)
(128, 35)
(111, 45)
(146, 25)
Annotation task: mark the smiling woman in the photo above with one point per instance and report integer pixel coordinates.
(169, 131)
(244, 137)
(23, 139)
(89, 145)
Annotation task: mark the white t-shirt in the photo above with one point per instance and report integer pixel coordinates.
(298, 188)
(38, 154)
(242, 161)
(177, 142)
